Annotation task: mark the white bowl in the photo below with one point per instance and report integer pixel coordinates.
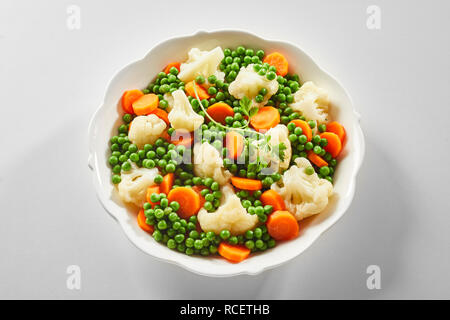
(106, 119)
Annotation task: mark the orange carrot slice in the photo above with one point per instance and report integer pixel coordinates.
(316, 159)
(282, 225)
(145, 104)
(188, 199)
(141, 219)
(272, 198)
(277, 60)
(334, 145)
(170, 65)
(202, 93)
(246, 184)
(199, 189)
(219, 111)
(182, 137)
(167, 183)
(266, 118)
(150, 191)
(337, 129)
(234, 143)
(233, 253)
(128, 98)
(160, 113)
(305, 128)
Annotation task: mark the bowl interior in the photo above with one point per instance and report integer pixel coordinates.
(138, 74)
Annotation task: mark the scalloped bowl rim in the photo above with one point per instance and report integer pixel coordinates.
(196, 265)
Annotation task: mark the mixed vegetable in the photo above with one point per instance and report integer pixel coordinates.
(225, 152)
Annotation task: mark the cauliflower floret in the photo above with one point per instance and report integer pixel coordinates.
(312, 102)
(278, 134)
(204, 63)
(146, 129)
(231, 215)
(134, 184)
(248, 83)
(182, 116)
(209, 164)
(304, 195)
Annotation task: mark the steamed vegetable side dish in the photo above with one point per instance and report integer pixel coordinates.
(225, 153)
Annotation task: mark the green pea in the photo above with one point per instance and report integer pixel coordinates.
(260, 54)
(212, 79)
(232, 75)
(200, 79)
(246, 204)
(116, 169)
(116, 179)
(212, 90)
(268, 209)
(114, 139)
(257, 233)
(113, 160)
(158, 179)
(220, 96)
(271, 75)
(151, 154)
(209, 197)
(267, 182)
(250, 244)
(126, 166)
(243, 194)
(293, 137)
(160, 151)
(225, 234)
(325, 171)
(309, 170)
(309, 146)
(259, 98)
(198, 244)
(249, 234)
(170, 167)
(134, 157)
(157, 235)
(204, 192)
(262, 217)
(302, 139)
(115, 147)
(298, 131)
(240, 50)
(214, 186)
(148, 163)
(162, 225)
(208, 206)
(171, 244)
(141, 154)
(123, 129)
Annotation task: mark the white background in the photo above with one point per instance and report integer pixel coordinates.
(52, 79)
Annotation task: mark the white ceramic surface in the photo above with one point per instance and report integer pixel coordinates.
(138, 74)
